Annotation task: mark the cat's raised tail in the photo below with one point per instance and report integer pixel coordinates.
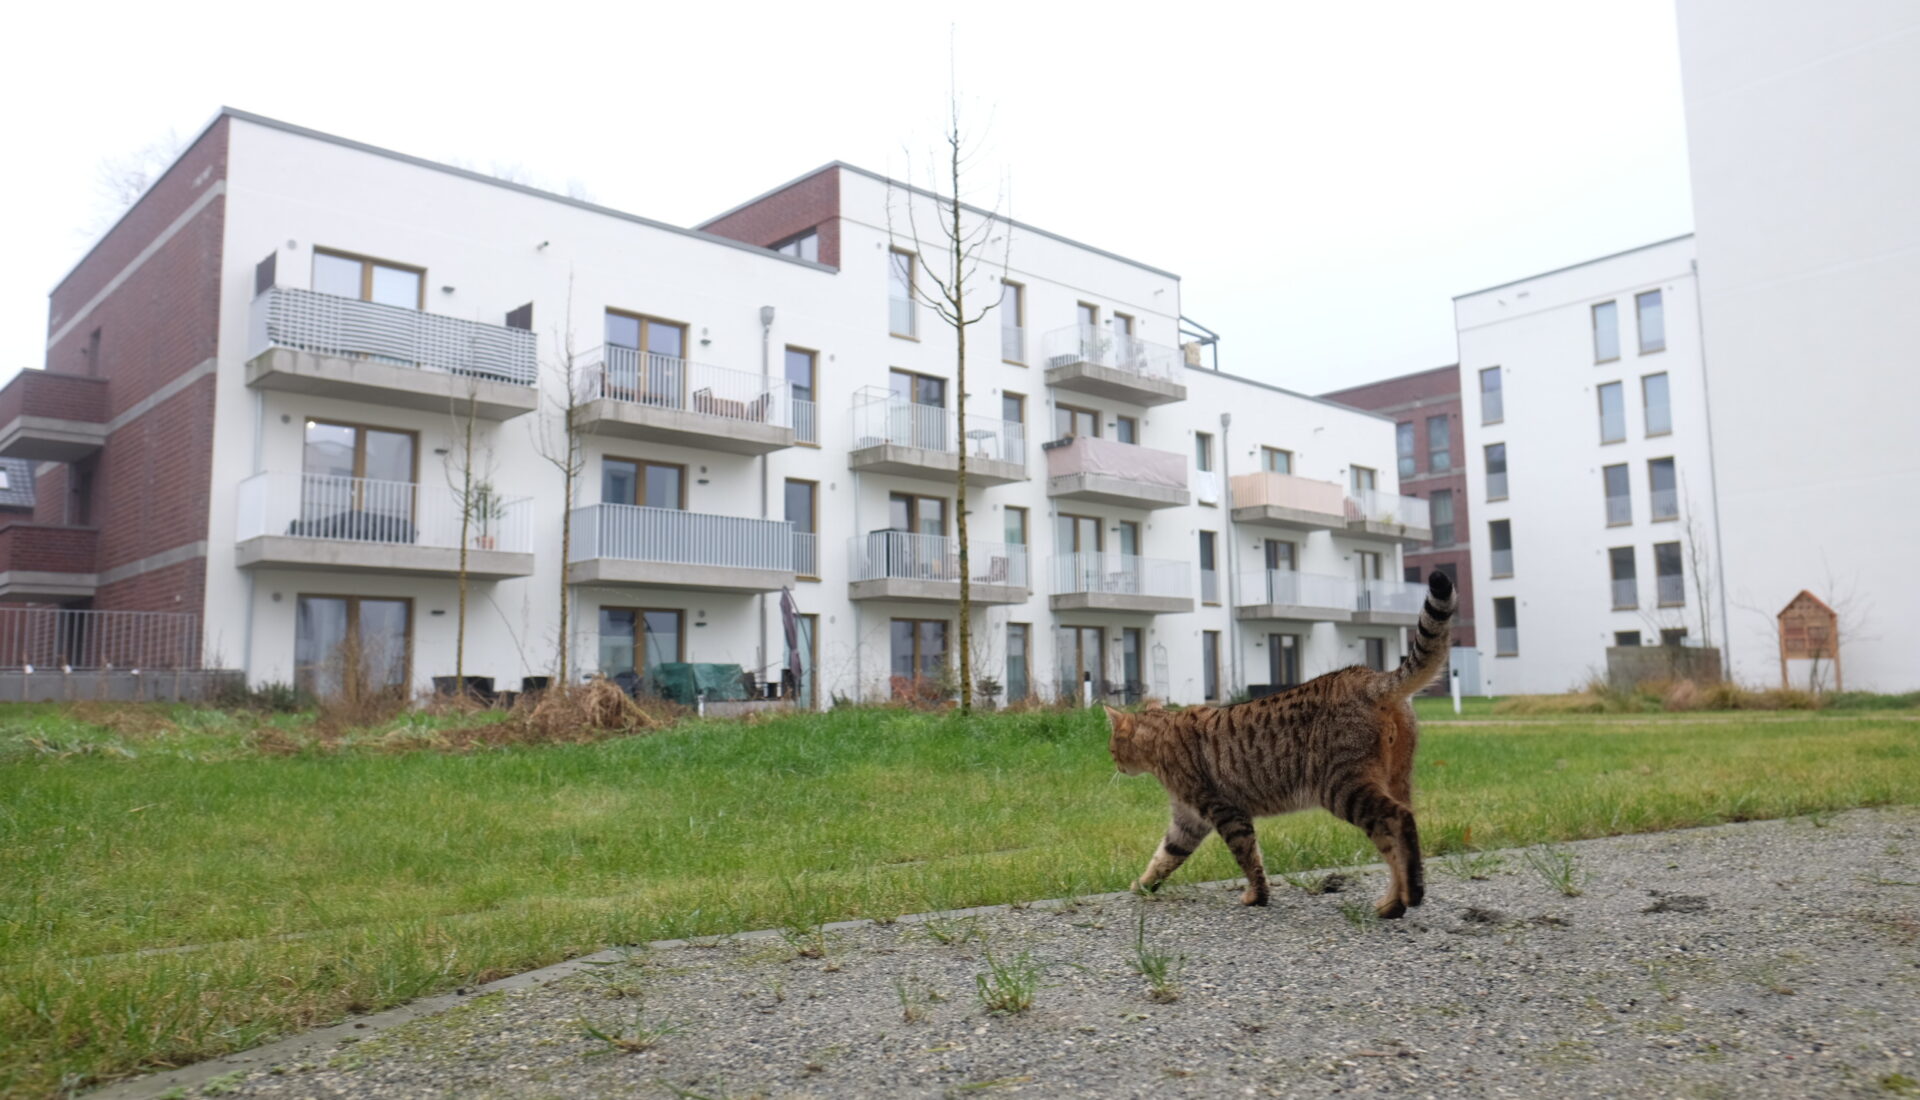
(1429, 649)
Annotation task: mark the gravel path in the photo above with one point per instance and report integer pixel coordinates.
(1766, 959)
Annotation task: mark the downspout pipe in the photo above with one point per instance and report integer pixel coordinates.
(1233, 555)
(766, 474)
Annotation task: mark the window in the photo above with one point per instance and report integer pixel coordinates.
(646, 484)
(645, 360)
(346, 276)
(1089, 318)
(1013, 408)
(1016, 526)
(357, 483)
(1132, 676)
(1281, 555)
(1413, 574)
(1376, 653)
(1664, 493)
(1081, 653)
(1496, 471)
(803, 511)
(1403, 447)
(1606, 332)
(902, 316)
(1210, 664)
(807, 626)
(1129, 532)
(1367, 571)
(1619, 495)
(1626, 637)
(1613, 412)
(800, 381)
(340, 451)
(919, 656)
(1070, 421)
(1653, 322)
(1209, 573)
(1673, 635)
(1439, 445)
(1653, 395)
(1492, 410)
(1441, 503)
(1500, 541)
(93, 354)
(1670, 583)
(1626, 586)
(805, 246)
(654, 637)
(1019, 661)
(916, 514)
(928, 430)
(1276, 461)
(1126, 429)
(1283, 660)
(1202, 451)
(6, 479)
(1506, 628)
(1080, 534)
(1364, 480)
(350, 645)
(1123, 346)
(1013, 322)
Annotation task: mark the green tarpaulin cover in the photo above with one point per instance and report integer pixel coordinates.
(683, 681)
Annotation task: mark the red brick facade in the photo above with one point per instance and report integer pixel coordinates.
(59, 396)
(812, 203)
(1414, 399)
(45, 548)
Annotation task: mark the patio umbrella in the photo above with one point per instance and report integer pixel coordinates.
(790, 622)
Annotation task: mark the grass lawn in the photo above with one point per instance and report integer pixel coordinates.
(167, 893)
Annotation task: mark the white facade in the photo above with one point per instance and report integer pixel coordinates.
(1539, 336)
(488, 248)
(1801, 125)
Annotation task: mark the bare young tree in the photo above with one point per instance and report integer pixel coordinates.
(562, 443)
(470, 477)
(966, 247)
(123, 179)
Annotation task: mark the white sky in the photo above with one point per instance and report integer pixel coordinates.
(1324, 177)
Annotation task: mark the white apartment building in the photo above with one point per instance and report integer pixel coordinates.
(762, 406)
(1589, 474)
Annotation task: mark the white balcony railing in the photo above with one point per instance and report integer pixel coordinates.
(1402, 597)
(1619, 510)
(806, 553)
(806, 428)
(1665, 504)
(358, 509)
(666, 382)
(903, 317)
(1013, 343)
(879, 419)
(51, 638)
(903, 555)
(1379, 506)
(1122, 575)
(1290, 588)
(1097, 345)
(1626, 593)
(1500, 562)
(326, 324)
(671, 537)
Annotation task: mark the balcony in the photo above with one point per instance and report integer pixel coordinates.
(1289, 596)
(48, 638)
(632, 394)
(1389, 603)
(49, 417)
(891, 436)
(357, 524)
(301, 341)
(1121, 582)
(900, 565)
(1094, 359)
(1289, 503)
(806, 555)
(1103, 471)
(622, 545)
(40, 561)
(1372, 513)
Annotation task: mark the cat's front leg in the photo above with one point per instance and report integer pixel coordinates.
(1236, 829)
(1184, 834)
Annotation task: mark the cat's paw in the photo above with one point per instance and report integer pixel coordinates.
(1253, 896)
(1142, 886)
(1390, 909)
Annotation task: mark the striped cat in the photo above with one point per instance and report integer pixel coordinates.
(1343, 742)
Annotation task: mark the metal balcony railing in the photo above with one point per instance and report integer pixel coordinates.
(1665, 504)
(325, 324)
(48, 639)
(806, 428)
(667, 382)
(903, 316)
(1097, 345)
(879, 418)
(1404, 597)
(903, 555)
(1379, 506)
(806, 553)
(1619, 510)
(401, 513)
(1121, 575)
(1500, 562)
(1013, 343)
(1289, 587)
(1671, 590)
(624, 532)
(1506, 640)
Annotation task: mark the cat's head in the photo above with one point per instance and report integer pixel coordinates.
(1124, 744)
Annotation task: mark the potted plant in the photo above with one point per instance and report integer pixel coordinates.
(488, 508)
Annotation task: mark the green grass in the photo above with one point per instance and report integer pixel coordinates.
(169, 895)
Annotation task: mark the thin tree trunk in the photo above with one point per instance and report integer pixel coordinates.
(466, 521)
(960, 427)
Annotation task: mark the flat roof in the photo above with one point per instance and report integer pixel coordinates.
(1392, 378)
(1290, 393)
(1570, 267)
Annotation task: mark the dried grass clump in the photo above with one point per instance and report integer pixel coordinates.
(126, 719)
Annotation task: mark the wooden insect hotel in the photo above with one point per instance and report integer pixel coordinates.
(1809, 631)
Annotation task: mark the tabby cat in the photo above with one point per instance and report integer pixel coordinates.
(1343, 742)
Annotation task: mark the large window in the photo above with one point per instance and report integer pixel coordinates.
(349, 646)
(1653, 394)
(640, 640)
(645, 360)
(1276, 461)
(1653, 322)
(1606, 332)
(1081, 656)
(1496, 471)
(1283, 660)
(1619, 491)
(912, 395)
(917, 389)
(1210, 664)
(1664, 489)
(1403, 447)
(369, 280)
(1506, 627)
(800, 380)
(1441, 503)
(803, 511)
(1613, 412)
(918, 514)
(1013, 322)
(1133, 683)
(1668, 575)
(919, 656)
(902, 318)
(358, 484)
(1019, 683)
(1626, 585)
(1439, 445)
(1492, 408)
(647, 484)
(1070, 421)
(1500, 542)
(1016, 526)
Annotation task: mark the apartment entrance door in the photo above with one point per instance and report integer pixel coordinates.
(1082, 654)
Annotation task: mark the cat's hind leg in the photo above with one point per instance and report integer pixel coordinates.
(1389, 824)
(1184, 834)
(1236, 828)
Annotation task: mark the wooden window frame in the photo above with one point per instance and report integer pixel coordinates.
(1099, 532)
(913, 511)
(1675, 517)
(813, 521)
(915, 633)
(1092, 322)
(1026, 524)
(648, 318)
(1614, 578)
(1131, 420)
(1680, 555)
(1203, 537)
(1486, 469)
(1292, 556)
(640, 479)
(1367, 643)
(360, 444)
(1076, 411)
(919, 376)
(1210, 648)
(353, 624)
(1114, 317)
(1020, 400)
(1514, 603)
(1353, 478)
(640, 630)
(1600, 410)
(1275, 647)
(1267, 453)
(367, 264)
(1207, 451)
(1491, 549)
(813, 656)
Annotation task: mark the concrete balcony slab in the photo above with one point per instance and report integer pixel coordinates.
(287, 370)
(912, 590)
(1117, 491)
(932, 465)
(1113, 383)
(625, 573)
(621, 419)
(1117, 601)
(405, 559)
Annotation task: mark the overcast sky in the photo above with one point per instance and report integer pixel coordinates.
(1323, 177)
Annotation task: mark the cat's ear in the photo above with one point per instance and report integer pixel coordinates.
(1116, 719)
